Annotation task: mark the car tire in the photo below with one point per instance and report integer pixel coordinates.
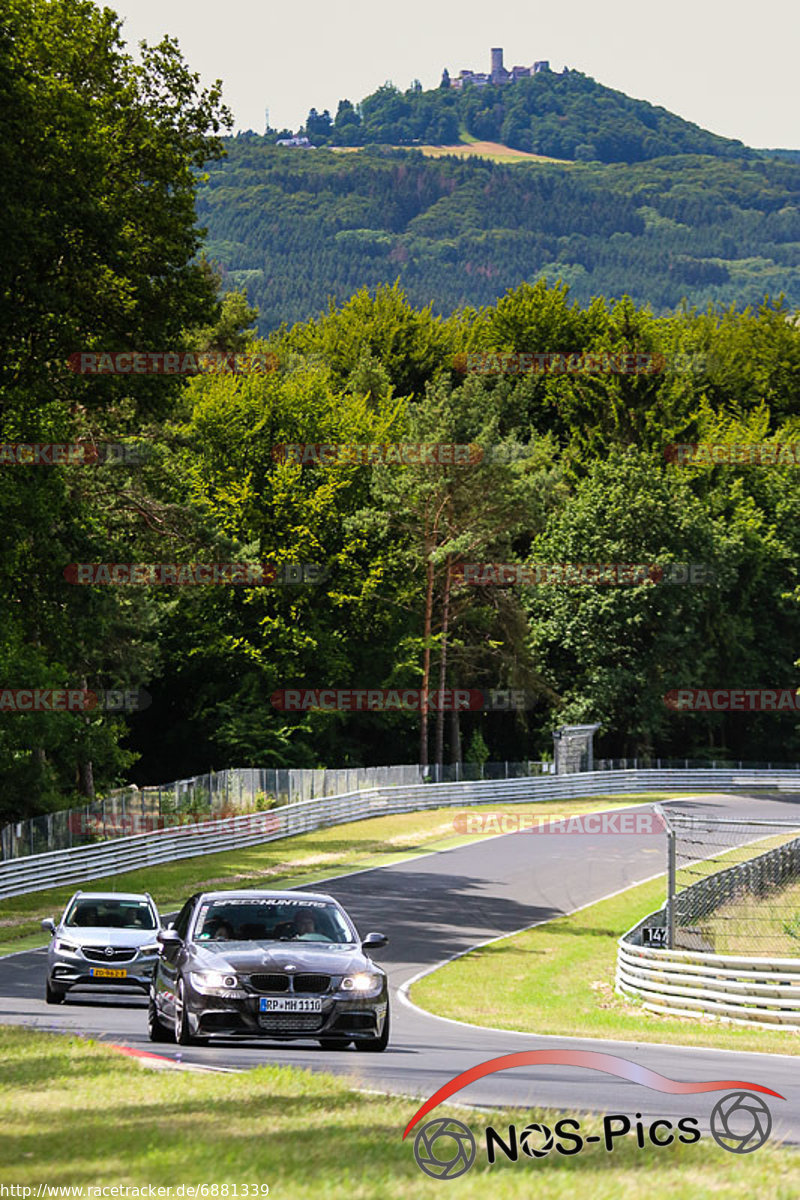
(53, 995)
(157, 1031)
(183, 1035)
(376, 1045)
(335, 1043)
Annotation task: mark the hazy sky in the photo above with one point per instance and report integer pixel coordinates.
(732, 66)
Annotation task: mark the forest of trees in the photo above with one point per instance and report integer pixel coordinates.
(295, 227)
(563, 115)
(575, 468)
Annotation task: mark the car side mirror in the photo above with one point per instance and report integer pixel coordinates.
(374, 941)
(49, 925)
(169, 939)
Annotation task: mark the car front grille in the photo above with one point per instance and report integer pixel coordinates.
(117, 955)
(301, 983)
(290, 1022)
(270, 983)
(312, 983)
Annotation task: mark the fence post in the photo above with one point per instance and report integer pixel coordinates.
(670, 889)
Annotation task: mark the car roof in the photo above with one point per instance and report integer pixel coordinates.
(253, 894)
(113, 896)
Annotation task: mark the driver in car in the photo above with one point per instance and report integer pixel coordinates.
(306, 927)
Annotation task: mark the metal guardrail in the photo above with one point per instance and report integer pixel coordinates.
(744, 989)
(126, 811)
(764, 992)
(84, 863)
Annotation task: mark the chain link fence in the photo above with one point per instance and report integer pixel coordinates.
(733, 886)
(131, 810)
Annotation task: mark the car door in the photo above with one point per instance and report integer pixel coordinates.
(170, 960)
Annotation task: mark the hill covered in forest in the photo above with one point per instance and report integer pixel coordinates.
(560, 114)
(296, 227)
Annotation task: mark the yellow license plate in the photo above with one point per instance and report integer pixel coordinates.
(107, 973)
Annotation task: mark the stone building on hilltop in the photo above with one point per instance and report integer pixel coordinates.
(498, 73)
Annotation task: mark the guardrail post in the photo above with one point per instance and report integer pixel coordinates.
(670, 889)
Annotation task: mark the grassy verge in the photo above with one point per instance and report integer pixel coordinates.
(76, 1113)
(296, 861)
(559, 979)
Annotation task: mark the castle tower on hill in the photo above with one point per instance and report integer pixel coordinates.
(498, 73)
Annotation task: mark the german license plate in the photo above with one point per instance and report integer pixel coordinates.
(288, 1004)
(108, 972)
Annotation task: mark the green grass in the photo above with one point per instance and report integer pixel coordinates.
(558, 979)
(296, 861)
(465, 137)
(77, 1113)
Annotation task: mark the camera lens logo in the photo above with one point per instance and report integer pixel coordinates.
(740, 1122)
(529, 1137)
(444, 1148)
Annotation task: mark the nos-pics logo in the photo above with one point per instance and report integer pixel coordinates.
(446, 1148)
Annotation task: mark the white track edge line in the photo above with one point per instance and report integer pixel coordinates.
(403, 996)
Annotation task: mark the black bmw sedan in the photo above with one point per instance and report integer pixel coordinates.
(277, 965)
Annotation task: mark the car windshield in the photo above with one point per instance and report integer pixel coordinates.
(111, 914)
(272, 921)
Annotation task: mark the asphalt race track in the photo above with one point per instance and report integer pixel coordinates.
(433, 907)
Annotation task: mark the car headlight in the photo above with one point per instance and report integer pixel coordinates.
(360, 983)
(67, 947)
(213, 981)
(153, 948)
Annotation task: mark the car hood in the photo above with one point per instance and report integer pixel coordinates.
(247, 958)
(98, 937)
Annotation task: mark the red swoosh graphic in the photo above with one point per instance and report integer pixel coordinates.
(595, 1061)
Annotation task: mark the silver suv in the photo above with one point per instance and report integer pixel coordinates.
(104, 940)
